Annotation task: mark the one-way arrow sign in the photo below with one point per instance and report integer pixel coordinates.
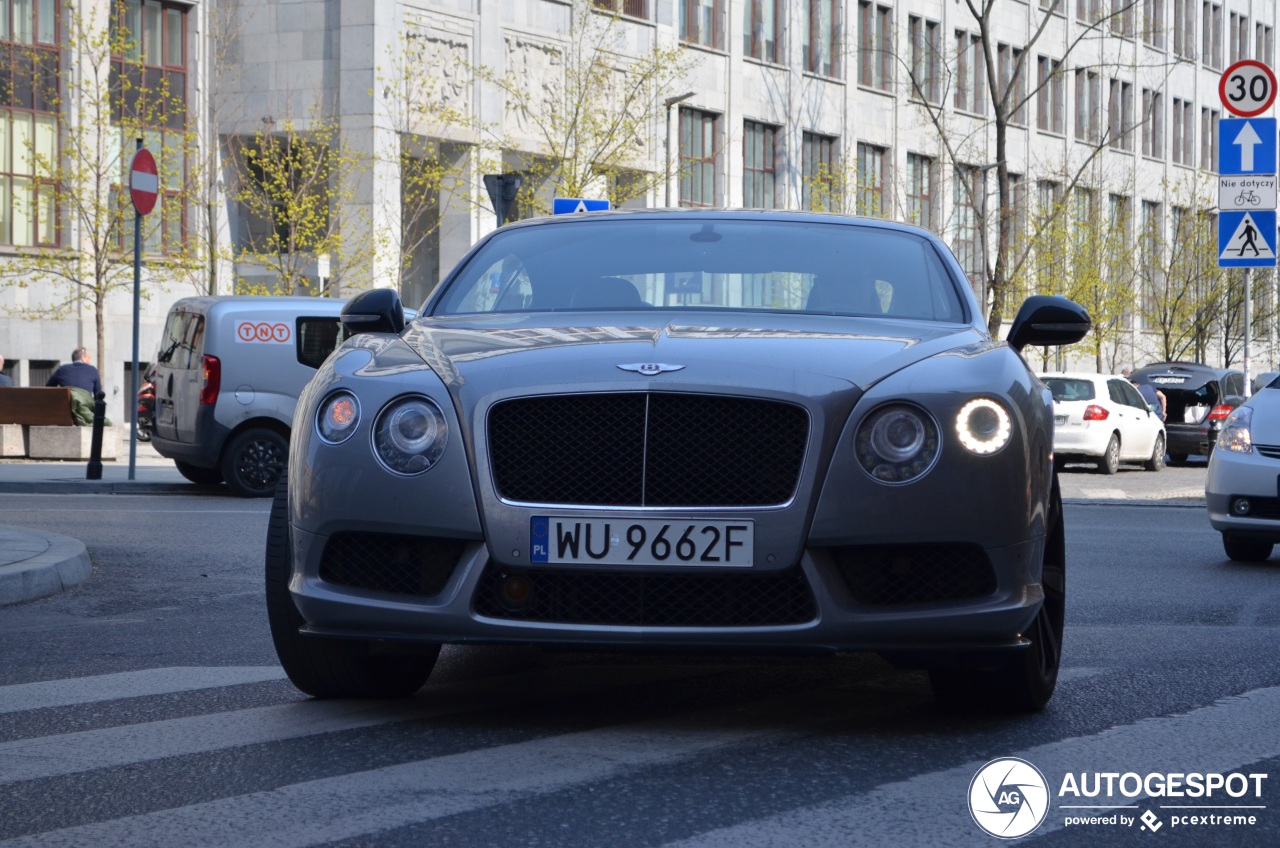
(1248, 146)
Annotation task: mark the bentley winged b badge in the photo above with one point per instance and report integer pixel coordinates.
(650, 369)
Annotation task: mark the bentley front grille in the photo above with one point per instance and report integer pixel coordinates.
(401, 565)
(567, 596)
(647, 449)
(914, 574)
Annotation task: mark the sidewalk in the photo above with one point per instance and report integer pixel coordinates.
(35, 564)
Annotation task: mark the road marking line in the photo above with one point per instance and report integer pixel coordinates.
(1227, 735)
(368, 802)
(130, 684)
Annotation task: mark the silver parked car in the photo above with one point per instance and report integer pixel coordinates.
(1240, 489)
(702, 430)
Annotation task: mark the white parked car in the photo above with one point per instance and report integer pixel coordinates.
(1102, 418)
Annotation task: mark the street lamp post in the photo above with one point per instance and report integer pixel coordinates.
(668, 103)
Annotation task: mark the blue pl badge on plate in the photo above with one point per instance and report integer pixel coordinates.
(539, 538)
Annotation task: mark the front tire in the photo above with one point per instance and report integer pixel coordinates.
(329, 668)
(196, 474)
(1244, 549)
(1024, 682)
(1156, 462)
(254, 462)
(1109, 463)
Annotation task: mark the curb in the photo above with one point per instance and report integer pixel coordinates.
(108, 487)
(55, 564)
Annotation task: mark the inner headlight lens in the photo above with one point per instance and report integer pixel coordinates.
(1236, 435)
(983, 426)
(410, 435)
(897, 444)
(337, 418)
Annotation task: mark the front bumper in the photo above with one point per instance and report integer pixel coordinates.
(839, 622)
(1233, 475)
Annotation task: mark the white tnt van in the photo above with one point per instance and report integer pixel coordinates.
(228, 375)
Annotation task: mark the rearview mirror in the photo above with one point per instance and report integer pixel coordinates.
(1048, 320)
(374, 311)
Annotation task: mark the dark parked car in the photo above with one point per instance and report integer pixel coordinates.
(1198, 400)
(707, 430)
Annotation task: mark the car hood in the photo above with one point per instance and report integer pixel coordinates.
(1265, 429)
(526, 351)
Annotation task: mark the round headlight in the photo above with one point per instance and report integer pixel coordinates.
(337, 417)
(409, 435)
(983, 426)
(897, 443)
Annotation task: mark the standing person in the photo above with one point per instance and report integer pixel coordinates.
(79, 373)
(1150, 394)
(5, 379)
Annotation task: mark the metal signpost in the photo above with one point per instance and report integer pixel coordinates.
(144, 187)
(1247, 180)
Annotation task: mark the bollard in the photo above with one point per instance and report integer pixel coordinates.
(94, 471)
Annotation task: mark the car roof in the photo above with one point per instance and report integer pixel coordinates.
(666, 214)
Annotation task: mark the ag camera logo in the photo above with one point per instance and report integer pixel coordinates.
(1008, 797)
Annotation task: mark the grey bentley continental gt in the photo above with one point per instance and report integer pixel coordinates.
(696, 430)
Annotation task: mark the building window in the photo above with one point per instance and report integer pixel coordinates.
(762, 30)
(1153, 23)
(875, 45)
(818, 162)
(759, 166)
(1209, 139)
(922, 176)
(966, 191)
(1211, 32)
(700, 23)
(30, 94)
(1089, 11)
(1184, 29)
(1237, 38)
(1120, 116)
(149, 84)
(821, 38)
(1264, 44)
(1007, 58)
(1088, 106)
(638, 9)
(971, 74)
(698, 157)
(1184, 133)
(1123, 16)
(872, 177)
(1152, 123)
(1050, 101)
(926, 58)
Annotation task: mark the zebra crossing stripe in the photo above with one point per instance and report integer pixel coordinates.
(130, 684)
(931, 809)
(335, 808)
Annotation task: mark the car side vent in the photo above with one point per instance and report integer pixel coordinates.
(381, 562)
(914, 574)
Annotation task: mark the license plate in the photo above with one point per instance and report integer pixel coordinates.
(1059, 419)
(614, 541)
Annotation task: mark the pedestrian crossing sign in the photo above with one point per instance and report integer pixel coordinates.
(1247, 239)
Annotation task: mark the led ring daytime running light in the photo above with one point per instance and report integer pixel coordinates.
(983, 426)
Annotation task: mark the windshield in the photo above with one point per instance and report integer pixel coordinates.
(1068, 389)
(642, 264)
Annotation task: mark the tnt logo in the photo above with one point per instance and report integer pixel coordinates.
(262, 331)
(1151, 821)
(1008, 797)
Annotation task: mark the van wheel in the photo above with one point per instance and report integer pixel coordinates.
(253, 462)
(196, 474)
(329, 668)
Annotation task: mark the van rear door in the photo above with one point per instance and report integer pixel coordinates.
(179, 376)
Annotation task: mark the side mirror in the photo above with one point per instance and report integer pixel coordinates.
(1048, 320)
(374, 311)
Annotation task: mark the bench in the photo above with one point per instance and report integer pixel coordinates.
(37, 422)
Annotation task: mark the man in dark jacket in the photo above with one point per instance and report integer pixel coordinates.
(78, 374)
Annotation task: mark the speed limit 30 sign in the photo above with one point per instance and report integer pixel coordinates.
(1247, 88)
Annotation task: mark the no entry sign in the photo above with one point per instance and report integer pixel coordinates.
(144, 181)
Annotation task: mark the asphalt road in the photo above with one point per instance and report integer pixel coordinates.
(145, 707)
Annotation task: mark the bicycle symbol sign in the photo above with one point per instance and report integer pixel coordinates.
(1247, 88)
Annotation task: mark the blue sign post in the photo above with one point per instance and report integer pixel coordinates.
(569, 205)
(1246, 146)
(1247, 239)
